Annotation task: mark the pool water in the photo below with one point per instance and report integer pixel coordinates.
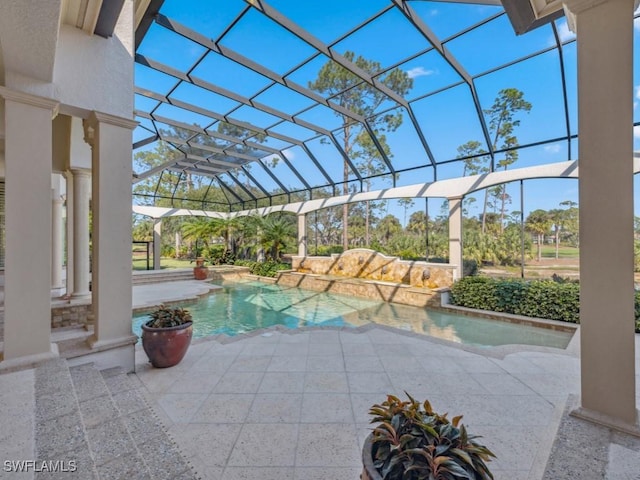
(241, 307)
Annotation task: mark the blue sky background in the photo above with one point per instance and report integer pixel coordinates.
(448, 118)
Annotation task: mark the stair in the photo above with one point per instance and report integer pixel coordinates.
(144, 277)
(101, 421)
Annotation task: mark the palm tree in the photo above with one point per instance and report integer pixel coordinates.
(538, 222)
(277, 233)
(199, 229)
(225, 228)
(387, 227)
(557, 217)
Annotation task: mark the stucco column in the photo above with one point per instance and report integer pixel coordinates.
(69, 232)
(110, 139)
(157, 242)
(455, 235)
(56, 239)
(605, 116)
(302, 235)
(28, 160)
(81, 198)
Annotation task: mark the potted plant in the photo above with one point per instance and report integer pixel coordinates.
(412, 442)
(166, 337)
(200, 272)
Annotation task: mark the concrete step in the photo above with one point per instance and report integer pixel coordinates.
(101, 420)
(156, 276)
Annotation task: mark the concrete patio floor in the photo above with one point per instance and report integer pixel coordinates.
(283, 404)
(294, 404)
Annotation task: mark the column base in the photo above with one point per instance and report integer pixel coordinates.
(57, 292)
(80, 295)
(28, 361)
(97, 344)
(607, 421)
(118, 352)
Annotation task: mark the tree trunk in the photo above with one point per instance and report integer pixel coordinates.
(557, 244)
(178, 243)
(345, 226)
(484, 210)
(366, 224)
(540, 240)
(504, 197)
(345, 210)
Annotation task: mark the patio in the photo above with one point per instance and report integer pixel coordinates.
(286, 404)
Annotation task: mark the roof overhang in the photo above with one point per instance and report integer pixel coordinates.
(93, 16)
(526, 15)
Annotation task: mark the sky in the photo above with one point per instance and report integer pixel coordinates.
(441, 105)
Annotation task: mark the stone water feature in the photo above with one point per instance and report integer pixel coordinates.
(370, 274)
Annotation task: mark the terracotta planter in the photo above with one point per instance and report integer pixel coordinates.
(166, 347)
(199, 261)
(369, 472)
(200, 273)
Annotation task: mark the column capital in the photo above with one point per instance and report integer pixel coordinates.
(457, 197)
(95, 118)
(80, 172)
(579, 6)
(29, 99)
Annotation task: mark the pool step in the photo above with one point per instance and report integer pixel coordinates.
(101, 420)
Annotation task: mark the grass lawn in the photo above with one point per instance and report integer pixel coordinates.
(141, 263)
(549, 251)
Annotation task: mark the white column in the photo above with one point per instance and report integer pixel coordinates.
(157, 242)
(56, 239)
(605, 116)
(110, 139)
(260, 257)
(302, 235)
(28, 157)
(69, 233)
(81, 197)
(455, 234)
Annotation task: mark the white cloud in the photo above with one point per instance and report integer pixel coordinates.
(419, 72)
(554, 148)
(563, 32)
(636, 23)
(636, 131)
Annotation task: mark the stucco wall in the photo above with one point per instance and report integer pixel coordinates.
(95, 73)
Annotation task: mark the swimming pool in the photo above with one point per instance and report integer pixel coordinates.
(241, 307)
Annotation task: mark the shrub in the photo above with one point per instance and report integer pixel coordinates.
(534, 298)
(469, 267)
(270, 268)
(218, 255)
(475, 292)
(557, 299)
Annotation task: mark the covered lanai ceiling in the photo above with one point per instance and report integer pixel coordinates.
(234, 114)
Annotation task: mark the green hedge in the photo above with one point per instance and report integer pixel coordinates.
(270, 268)
(537, 298)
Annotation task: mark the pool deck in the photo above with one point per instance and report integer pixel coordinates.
(285, 404)
(293, 404)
